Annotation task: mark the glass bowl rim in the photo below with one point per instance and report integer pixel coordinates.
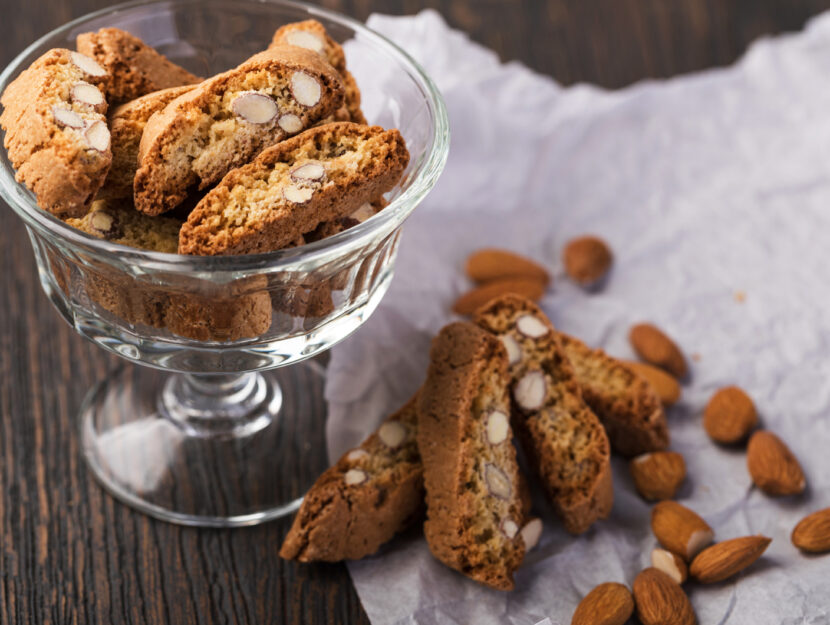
(425, 177)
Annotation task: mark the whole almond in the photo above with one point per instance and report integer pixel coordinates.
(670, 563)
(666, 387)
(493, 264)
(587, 259)
(729, 416)
(812, 534)
(723, 560)
(773, 467)
(679, 529)
(655, 347)
(471, 301)
(658, 475)
(660, 600)
(607, 604)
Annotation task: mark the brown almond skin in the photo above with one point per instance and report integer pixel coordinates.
(723, 560)
(491, 264)
(656, 348)
(587, 259)
(679, 529)
(773, 467)
(812, 534)
(666, 387)
(607, 604)
(471, 301)
(660, 600)
(658, 475)
(729, 416)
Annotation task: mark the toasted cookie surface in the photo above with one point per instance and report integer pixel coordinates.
(228, 119)
(127, 125)
(474, 490)
(323, 174)
(56, 133)
(626, 404)
(135, 69)
(370, 494)
(563, 438)
(312, 35)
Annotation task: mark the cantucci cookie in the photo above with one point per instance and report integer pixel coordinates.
(228, 119)
(56, 133)
(119, 222)
(626, 404)
(236, 311)
(312, 35)
(323, 174)
(372, 493)
(127, 125)
(473, 489)
(135, 69)
(561, 435)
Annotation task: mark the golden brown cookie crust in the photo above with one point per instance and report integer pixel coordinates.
(562, 437)
(626, 404)
(48, 132)
(135, 69)
(127, 125)
(200, 136)
(474, 492)
(369, 495)
(250, 211)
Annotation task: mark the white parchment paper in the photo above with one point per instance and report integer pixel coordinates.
(708, 187)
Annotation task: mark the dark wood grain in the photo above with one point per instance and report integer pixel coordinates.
(70, 553)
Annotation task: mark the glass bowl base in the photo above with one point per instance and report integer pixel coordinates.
(207, 450)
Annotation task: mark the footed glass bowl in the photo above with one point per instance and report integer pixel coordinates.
(211, 430)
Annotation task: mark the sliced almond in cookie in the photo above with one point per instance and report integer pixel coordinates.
(98, 136)
(88, 94)
(562, 437)
(225, 121)
(474, 489)
(321, 175)
(255, 107)
(361, 502)
(88, 65)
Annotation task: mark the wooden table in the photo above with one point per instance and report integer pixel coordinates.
(70, 553)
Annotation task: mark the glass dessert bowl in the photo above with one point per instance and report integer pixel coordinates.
(200, 434)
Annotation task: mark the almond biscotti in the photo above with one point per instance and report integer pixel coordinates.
(127, 125)
(228, 119)
(135, 69)
(560, 434)
(473, 488)
(372, 493)
(56, 133)
(323, 174)
(312, 35)
(235, 311)
(118, 221)
(626, 404)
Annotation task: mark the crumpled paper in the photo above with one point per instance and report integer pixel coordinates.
(713, 190)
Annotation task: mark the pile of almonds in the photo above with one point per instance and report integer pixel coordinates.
(730, 418)
(498, 272)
